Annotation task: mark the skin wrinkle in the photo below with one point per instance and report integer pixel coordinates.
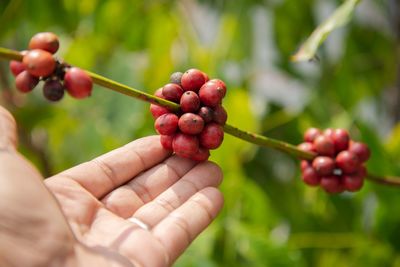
(142, 191)
(72, 185)
(107, 170)
(110, 204)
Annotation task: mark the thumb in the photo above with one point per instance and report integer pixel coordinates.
(8, 130)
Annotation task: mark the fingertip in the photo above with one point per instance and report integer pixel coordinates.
(214, 170)
(215, 200)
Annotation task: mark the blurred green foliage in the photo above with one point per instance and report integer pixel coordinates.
(270, 218)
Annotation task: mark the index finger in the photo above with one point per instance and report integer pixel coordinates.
(107, 172)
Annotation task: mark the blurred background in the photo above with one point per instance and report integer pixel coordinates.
(270, 217)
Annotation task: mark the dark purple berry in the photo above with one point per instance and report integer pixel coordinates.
(53, 90)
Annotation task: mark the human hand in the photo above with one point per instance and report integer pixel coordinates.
(135, 205)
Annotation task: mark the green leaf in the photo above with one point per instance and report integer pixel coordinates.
(339, 18)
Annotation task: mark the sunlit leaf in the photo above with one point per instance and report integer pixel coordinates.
(339, 18)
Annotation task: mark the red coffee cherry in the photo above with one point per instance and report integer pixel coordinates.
(192, 80)
(323, 166)
(361, 171)
(39, 63)
(311, 134)
(53, 90)
(16, 67)
(324, 145)
(202, 155)
(185, 145)
(305, 164)
(212, 136)
(329, 132)
(306, 146)
(206, 78)
(221, 86)
(310, 176)
(340, 138)
(166, 124)
(176, 78)
(352, 183)
(25, 82)
(220, 115)
(157, 110)
(211, 94)
(78, 83)
(47, 41)
(190, 102)
(158, 93)
(166, 141)
(361, 150)
(331, 184)
(206, 113)
(348, 162)
(190, 123)
(172, 92)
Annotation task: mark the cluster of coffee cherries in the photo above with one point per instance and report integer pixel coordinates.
(198, 126)
(338, 165)
(39, 64)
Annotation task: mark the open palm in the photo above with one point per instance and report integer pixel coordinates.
(135, 205)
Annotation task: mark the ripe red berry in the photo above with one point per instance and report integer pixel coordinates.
(332, 184)
(166, 124)
(324, 145)
(352, 183)
(361, 171)
(340, 138)
(306, 146)
(176, 77)
(329, 132)
(16, 67)
(47, 41)
(311, 134)
(206, 78)
(166, 141)
(157, 110)
(310, 177)
(212, 136)
(172, 92)
(361, 150)
(25, 82)
(158, 93)
(201, 155)
(220, 115)
(78, 83)
(53, 90)
(304, 164)
(39, 63)
(348, 162)
(323, 166)
(206, 113)
(192, 80)
(185, 145)
(190, 123)
(211, 94)
(221, 85)
(190, 102)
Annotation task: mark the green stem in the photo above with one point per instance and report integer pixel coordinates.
(234, 131)
(268, 142)
(129, 91)
(10, 54)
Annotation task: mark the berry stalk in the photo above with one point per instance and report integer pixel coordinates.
(234, 131)
(268, 142)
